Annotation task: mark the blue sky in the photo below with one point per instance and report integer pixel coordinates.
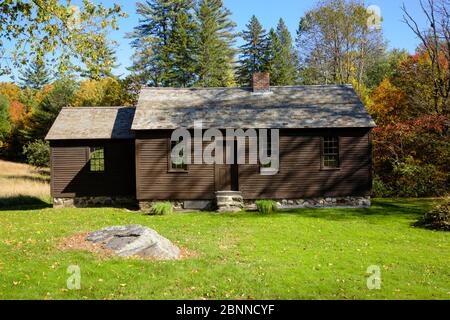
(270, 11)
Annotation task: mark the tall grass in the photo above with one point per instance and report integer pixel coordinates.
(161, 208)
(266, 206)
(20, 182)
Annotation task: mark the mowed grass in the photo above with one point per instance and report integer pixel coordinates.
(296, 254)
(22, 184)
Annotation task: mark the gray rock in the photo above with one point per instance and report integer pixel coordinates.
(135, 240)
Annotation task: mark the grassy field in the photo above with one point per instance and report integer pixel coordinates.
(22, 184)
(297, 254)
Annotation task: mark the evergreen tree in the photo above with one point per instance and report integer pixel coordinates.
(215, 40)
(165, 43)
(35, 75)
(149, 39)
(181, 48)
(284, 60)
(273, 55)
(253, 52)
(46, 112)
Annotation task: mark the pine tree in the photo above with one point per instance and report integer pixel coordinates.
(35, 75)
(215, 56)
(165, 43)
(272, 55)
(284, 61)
(149, 37)
(46, 112)
(181, 48)
(253, 52)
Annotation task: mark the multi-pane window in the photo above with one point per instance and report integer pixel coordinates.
(97, 159)
(330, 152)
(176, 166)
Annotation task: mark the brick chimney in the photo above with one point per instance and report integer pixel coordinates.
(261, 82)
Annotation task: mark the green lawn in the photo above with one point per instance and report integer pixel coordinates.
(297, 254)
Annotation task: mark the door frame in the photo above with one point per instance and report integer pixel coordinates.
(233, 171)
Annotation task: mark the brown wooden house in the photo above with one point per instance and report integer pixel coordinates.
(107, 155)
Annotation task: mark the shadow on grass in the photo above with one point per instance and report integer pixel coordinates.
(22, 203)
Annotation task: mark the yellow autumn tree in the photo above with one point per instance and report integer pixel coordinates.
(388, 103)
(10, 91)
(104, 92)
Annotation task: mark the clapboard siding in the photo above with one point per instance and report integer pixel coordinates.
(70, 169)
(155, 182)
(300, 173)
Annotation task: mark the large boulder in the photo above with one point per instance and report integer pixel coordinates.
(135, 240)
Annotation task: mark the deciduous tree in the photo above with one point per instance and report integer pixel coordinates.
(336, 42)
(34, 28)
(435, 40)
(5, 126)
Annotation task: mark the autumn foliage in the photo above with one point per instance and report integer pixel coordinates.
(412, 140)
(26, 114)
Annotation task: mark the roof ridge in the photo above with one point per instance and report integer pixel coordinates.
(246, 87)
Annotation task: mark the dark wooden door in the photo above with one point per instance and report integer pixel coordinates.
(223, 177)
(226, 176)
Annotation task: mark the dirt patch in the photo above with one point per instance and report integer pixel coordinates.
(187, 254)
(78, 242)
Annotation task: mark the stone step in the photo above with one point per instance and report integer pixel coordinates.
(228, 193)
(221, 199)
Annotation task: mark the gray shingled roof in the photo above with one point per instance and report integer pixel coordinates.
(335, 106)
(92, 123)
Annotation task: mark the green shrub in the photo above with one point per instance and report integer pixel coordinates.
(5, 121)
(161, 208)
(266, 206)
(415, 179)
(37, 153)
(380, 189)
(439, 217)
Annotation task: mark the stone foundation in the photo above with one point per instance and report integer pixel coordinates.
(229, 201)
(179, 205)
(324, 202)
(147, 205)
(226, 201)
(92, 202)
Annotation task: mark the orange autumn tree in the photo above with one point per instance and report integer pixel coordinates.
(16, 111)
(13, 94)
(414, 76)
(388, 103)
